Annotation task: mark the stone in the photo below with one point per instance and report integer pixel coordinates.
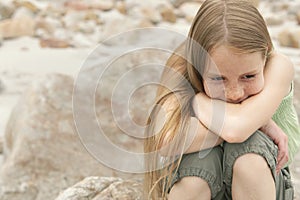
(43, 154)
(298, 17)
(289, 38)
(189, 9)
(96, 188)
(16, 27)
(28, 5)
(6, 11)
(93, 16)
(274, 21)
(54, 43)
(121, 7)
(104, 5)
(82, 40)
(177, 3)
(76, 5)
(48, 24)
(144, 12)
(168, 14)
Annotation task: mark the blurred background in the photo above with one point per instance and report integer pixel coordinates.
(43, 46)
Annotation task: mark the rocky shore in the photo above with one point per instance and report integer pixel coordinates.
(45, 45)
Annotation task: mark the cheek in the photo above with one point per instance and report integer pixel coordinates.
(254, 87)
(213, 90)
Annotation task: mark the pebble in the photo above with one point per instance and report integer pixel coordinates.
(54, 43)
(289, 38)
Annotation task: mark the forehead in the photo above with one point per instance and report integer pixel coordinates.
(226, 60)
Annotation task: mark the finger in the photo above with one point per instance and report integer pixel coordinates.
(280, 156)
(281, 163)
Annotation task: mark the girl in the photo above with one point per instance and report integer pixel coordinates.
(228, 57)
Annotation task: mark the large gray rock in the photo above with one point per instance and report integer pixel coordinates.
(43, 153)
(98, 188)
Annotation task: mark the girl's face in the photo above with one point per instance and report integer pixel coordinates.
(233, 77)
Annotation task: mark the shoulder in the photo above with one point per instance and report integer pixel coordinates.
(282, 63)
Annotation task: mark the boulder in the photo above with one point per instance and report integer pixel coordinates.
(43, 155)
(97, 188)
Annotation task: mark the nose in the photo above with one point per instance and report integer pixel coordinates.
(235, 94)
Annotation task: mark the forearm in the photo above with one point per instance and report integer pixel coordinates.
(272, 130)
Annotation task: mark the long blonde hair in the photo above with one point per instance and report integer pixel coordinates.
(235, 23)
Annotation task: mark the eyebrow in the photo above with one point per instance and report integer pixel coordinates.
(250, 72)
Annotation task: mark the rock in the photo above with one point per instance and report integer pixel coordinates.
(21, 26)
(289, 38)
(54, 43)
(76, 5)
(82, 40)
(298, 17)
(274, 21)
(6, 11)
(177, 3)
(71, 19)
(93, 16)
(121, 7)
(190, 9)
(104, 5)
(96, 188)
(48, 24)
(279, 7)
(28, 5)
(43, 153)
(168, 14)
(144, 12)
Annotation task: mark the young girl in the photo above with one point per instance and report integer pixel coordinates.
(208, 150)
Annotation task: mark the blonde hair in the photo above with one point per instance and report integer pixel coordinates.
(234, 23)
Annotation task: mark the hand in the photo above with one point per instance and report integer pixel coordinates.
(283, 153)
(281, 140)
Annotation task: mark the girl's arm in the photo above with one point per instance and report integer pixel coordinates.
(280, 139)
(239, 121)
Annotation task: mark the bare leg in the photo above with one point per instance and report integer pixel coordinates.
(190, 188)
(252, 178)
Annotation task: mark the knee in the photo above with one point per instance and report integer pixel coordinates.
(250, 162)
(190, 188)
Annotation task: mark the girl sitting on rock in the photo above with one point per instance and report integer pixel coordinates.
(224, 126)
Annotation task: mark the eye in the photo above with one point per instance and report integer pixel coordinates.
(218, 78)
(251, 76)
